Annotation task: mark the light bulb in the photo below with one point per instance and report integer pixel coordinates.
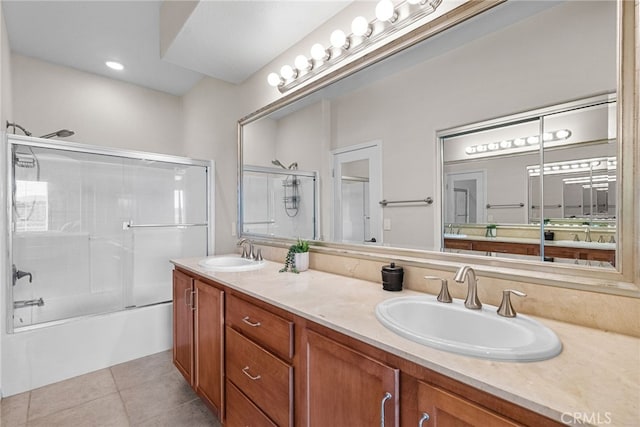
(319, 53)
(274, 79)
(339, 39)
(416, 1)
(493, 146)
(547, 136)
(114, 65)
(360, 27)
(287, 72)
(302, 63)
(470, 150)
(518, 142)
(385, 11)
(505, 144)
(532, 140)
(563, 134)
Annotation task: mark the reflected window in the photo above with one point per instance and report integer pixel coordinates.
(31, 206)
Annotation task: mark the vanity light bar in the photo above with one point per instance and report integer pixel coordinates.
(582, 165)
(508, 144)
(389, 19)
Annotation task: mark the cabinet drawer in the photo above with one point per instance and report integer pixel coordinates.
(261, 376)
(264, 327)
(241, 412)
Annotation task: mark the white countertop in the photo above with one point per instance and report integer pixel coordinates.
(527, 240)
(597, 373)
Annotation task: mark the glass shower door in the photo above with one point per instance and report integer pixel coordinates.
(168, 219)
(93, 230)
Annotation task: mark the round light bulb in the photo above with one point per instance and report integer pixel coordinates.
(338, 39)
(302, 63)
(360, 27)
(114, 65)
(385, 11)
(287, 72)
(518, 142)
(470, 150)
(318, 52)
(493, 146)
(547, 136)
(274, 79)
(505, 144)
(563, 134)
(532, 140)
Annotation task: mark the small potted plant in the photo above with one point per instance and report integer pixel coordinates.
(297, 258)
(492, 230)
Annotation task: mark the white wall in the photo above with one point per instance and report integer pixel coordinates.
(211, 111)
(101, 111)
(5, 112)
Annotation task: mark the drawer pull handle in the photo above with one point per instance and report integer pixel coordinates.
(245, 371)
(386, 397)
(248, 321)
(186, 299)
(425, 417)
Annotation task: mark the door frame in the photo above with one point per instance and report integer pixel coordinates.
(371, 151)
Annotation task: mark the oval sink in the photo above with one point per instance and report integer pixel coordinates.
(479, 333)
(230, 263)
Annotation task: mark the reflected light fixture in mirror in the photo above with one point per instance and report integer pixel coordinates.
(364, 34)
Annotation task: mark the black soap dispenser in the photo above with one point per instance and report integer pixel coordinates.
(392, 277)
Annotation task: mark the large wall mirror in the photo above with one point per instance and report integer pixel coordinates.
(422, 150)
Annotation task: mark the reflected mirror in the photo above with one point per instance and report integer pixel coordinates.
(514, 72)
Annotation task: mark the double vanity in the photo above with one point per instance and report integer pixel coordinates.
(268, 348)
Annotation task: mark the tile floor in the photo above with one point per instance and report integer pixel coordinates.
(143, 392)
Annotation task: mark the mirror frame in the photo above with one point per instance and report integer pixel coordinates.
(624, 281)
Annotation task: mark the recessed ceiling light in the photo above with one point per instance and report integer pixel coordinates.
(114, 65)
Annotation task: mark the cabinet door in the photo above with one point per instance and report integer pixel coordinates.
(183, 324)
(347, 388)
(448, 410)
(209, 360)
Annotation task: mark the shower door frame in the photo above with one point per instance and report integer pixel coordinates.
(12, 140)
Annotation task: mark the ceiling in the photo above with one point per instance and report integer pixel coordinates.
(227, 40)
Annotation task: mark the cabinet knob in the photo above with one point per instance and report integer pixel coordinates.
(386, 397)
(425, 417)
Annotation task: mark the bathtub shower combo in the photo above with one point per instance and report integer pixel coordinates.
(280, 201)
(92, 229)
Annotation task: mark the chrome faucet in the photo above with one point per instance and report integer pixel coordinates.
(471, 302)
(587, 234)
(450, 228)
(245, 254)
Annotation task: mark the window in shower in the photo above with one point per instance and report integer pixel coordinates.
(95, 228)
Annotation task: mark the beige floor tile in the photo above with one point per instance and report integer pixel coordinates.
(153, 398)
(66, 394)
(13, 410)
(138, 371)
(106, 411)
(190, 414)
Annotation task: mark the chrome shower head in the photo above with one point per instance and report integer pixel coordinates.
(277, 162)
(62, 133)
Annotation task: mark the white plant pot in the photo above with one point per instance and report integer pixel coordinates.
(302, 261)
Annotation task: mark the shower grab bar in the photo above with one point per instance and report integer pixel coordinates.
(386, 202)
(28, 303)
(550, 206)
(268, 221)
(506, 205)
(126, 225)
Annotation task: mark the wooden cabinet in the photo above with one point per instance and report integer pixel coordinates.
(208, 345)
(245, 358)
(440, 408)
(347, 388)
(259, 370)
(183, 324)
(590, 254)
(198, 337)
